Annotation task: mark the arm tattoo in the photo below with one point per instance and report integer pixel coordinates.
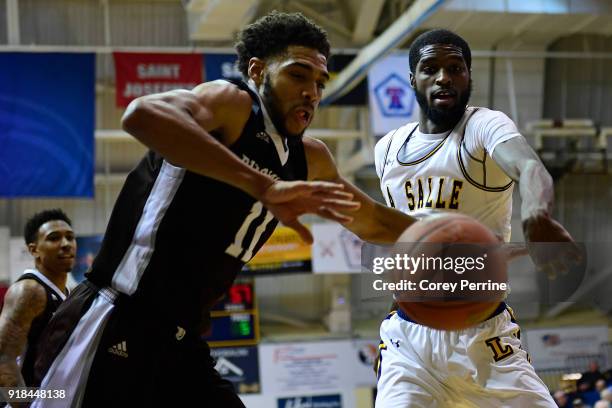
(24, 301)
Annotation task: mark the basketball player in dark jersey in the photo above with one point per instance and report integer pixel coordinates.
(31, 301)
(227, 162)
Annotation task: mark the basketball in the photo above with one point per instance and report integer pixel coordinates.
(462, 274)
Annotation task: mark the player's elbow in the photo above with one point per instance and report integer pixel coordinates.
(533, 170)
(137, 114)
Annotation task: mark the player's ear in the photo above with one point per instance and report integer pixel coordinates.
(256, 70)
(33, 250)
(411, 79)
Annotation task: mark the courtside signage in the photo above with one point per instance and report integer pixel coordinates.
(318, 401)
(143, 74)
(392, 101)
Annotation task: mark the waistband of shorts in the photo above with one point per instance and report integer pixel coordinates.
(500, 308)
(108, 293)
(116, 298)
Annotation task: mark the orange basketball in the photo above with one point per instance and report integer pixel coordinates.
(457, 269)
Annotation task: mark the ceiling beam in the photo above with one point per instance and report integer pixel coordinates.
(346, 9)
(391, 38)
(320, 18)
(525, 24)
(12, 19)
(462, 20)
(367, 19)
(583, 23)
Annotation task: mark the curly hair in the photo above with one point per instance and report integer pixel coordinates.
(30, 230)
(438, 36)
(272, 34)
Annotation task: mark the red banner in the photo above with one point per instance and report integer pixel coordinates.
(143, 74)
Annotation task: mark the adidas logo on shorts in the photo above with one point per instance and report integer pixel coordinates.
(263, 136)
(119, 349)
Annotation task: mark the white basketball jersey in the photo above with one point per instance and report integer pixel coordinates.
(422, 174)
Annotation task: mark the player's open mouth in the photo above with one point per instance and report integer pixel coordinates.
(444, 98)
(444, 95)
(303, 115)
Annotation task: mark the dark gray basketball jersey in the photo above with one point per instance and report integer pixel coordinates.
(178, 239)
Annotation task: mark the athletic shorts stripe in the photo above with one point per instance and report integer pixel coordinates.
(70, 369)
(137, 257)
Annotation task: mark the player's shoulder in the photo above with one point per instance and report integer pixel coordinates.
(484, 115)
(224, 107)
(314, 145)
(224, 93)
(319, 158)
(383, 142)
(28, 293)
(315, 150)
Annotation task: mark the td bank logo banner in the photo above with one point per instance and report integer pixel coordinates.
(318, 401)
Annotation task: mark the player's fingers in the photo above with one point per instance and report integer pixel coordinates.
(574, 253)
(561, 268)
(342, 195)
(301, 230)
(330, 214)
(549, 270)
(515, 250)
(310, 187)
(342, 204)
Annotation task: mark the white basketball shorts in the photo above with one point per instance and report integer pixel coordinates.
(480, 367)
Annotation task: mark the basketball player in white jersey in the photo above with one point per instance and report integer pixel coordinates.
(467, 160)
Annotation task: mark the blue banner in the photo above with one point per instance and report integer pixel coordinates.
(47, 104)
(220, 66)
(223, 66)
(87, 249)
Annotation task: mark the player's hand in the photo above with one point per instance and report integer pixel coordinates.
(551, 259)
(288, 200)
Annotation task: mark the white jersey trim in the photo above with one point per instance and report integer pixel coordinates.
(70, 369)
(43, 278)
(136, 259)
(279, 142)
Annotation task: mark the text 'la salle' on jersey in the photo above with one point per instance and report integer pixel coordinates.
(422, 174)
(177, 239)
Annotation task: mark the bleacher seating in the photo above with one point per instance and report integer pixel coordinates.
(578, 141)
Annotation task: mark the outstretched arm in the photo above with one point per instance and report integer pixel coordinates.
(24, 301)
(178, 126)
(521, 163)
(372, 222)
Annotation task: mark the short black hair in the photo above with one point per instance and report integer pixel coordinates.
(438, 36)
(32, 226)
(272, 34)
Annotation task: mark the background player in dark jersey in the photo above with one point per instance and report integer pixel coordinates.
(31, 301)
(227, 162)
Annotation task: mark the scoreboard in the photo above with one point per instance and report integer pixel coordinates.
(235, 320)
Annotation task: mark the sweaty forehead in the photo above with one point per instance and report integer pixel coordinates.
(310, 56)
(51, 226)
(440, 50)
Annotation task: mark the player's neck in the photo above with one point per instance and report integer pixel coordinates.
(428, 127)
(58, 278)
